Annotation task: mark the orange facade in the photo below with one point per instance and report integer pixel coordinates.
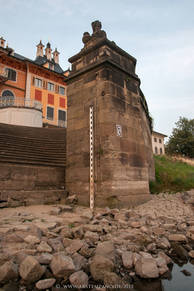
(17, 86)
(50, 89)
(32, 81)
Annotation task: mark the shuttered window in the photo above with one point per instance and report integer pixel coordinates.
(38, 95)
(11, 74)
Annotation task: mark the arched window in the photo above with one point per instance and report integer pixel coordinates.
(156, 150)
(8, 97)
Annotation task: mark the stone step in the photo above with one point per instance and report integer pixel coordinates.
(14, 159)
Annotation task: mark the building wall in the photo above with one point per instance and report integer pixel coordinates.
(17, 87)
(25, 87)
(49, 98)
(158, 144)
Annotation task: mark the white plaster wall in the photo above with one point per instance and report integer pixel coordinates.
(21, 116)
(158, 144)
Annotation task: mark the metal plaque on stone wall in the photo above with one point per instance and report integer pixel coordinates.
(119, 130)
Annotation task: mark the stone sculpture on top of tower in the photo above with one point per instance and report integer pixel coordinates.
(98, 33)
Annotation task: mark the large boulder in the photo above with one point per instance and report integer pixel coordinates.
(99, 265)
(91, 237)
(79, 279)
(162, 265)
(62, 266)
(147, 268)
(30, 270)
(106, 249)
(75, 246)
(180, 251)
(127, 259)
(8, 271)
(79, 261)
(45, 284)
(43, 247)
(177, 237)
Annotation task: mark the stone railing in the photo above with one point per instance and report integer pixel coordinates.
(62, 123)
(11, 101)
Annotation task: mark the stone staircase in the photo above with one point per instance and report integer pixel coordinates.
(32, 165)
(27, 145)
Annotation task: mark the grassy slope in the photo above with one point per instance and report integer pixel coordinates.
(171, 175)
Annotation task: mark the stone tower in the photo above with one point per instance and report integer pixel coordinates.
(104, 97)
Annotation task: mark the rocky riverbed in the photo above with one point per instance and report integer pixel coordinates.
(48, 247)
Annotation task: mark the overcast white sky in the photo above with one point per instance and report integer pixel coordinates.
(158, 33)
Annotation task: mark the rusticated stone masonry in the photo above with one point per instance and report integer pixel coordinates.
(103, 76)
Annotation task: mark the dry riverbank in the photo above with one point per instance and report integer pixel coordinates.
(44, 246)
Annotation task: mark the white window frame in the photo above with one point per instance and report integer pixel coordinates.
(38, 85)
(49, 83)
(64, 90)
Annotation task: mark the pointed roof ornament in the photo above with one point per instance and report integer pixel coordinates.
(40, 44)
(48, 45)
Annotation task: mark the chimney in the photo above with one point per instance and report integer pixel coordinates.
(56, 56)
(2, 42)
(39, 52)
(48, 51)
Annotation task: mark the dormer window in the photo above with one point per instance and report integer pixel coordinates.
(50, 86)
(11, 74)
(51, 66)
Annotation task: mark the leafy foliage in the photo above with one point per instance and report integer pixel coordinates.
(182, 139)
(172, 175)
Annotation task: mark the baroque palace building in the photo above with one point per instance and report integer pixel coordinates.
(37, 84)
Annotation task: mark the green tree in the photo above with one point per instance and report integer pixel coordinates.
(182, 139)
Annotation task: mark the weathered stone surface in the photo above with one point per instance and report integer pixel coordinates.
(86, 251)
(93, 228)
(30, 270)
(177, 237)
(135, 224)
(46, 283)
(67, 242)
(75, 246)
(8, 271)
(126, 160)
(79, 279)
(31, 239)
(44, 247)
(136, 257)
(79, 261)
(191, 254)
(92, 237)
(106, 249)
(78, 232)
(147, 268)
(163, 243)
(99, 265)
(44, 258)
(112, 279)
(180, 251)
(127, 259)
(62, 266)
(72, 199)
(56, 244)
(165, 257)
(162, 265)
